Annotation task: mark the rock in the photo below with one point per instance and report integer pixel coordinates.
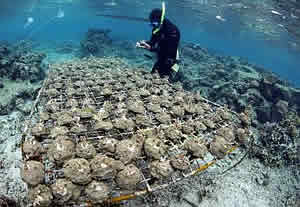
(129, 177)
(33, 173)
(124, 124)
(58, 131)
(136, 106)
(225, 115)
(177, 111)
(161, 169)
(63, 190)
(128, 151)
(39, 130)
(1, 84)
(144, 92)
(219, 147)
(196, 147)
(65, 119)
(188, 129)
(199, 126)
(41, 195)
(190, 108)
(104, 168)
(209, 123)
(71, 103)
(227, 133)
(78, 128)
(85, 150)
(155, 108)
(97, 191)
(173, 133)
(163, 118)
(32, 149)
(242, 136)
(180, 162)
(52, 107)
(86, 112)
(61, 150)
(143, 120)
(154, 148)
(107, 144)
(103, 125)
(52, 92)
(78, 171)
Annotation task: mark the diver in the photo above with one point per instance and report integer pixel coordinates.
(164, 41)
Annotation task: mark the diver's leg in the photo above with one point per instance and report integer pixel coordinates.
(155, 67)
(169, 51)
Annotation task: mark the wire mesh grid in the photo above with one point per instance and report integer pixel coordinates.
(168, 129)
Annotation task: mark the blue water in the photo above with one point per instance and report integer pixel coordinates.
(197, 23)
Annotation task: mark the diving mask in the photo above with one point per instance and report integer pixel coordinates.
(154, 24)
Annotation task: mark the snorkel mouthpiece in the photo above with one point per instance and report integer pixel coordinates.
(154, 24)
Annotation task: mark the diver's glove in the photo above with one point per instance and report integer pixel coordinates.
(143, 44)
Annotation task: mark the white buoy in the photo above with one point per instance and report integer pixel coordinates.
(60, 13)
(276, 12)
(220, 18)
(29, 21)
(112, 3)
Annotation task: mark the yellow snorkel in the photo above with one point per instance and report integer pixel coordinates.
(161, 18)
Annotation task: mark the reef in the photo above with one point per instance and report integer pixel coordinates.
(21, 70)
(238, 84)
(96, 42)
(103, 133)
(17, 96)
(17, 62)
(279, 142)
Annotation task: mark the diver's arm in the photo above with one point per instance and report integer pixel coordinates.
(149, 45)
(153, 41)
(143, 44)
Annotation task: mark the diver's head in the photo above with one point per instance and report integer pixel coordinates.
(155, 17)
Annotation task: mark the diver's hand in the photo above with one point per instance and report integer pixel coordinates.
(143, 44)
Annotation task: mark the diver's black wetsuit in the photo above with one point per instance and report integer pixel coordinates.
(165, 42)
